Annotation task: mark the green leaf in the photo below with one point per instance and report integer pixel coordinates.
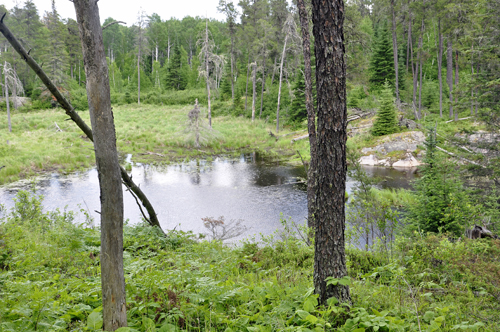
(332, 301)
(302, 314)
(311, 319)
(149, 324)
(94, 321)
(361, 329)
(123, 329)
(169, 328)
(310, 304)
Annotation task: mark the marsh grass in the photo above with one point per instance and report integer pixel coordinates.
(152, 134)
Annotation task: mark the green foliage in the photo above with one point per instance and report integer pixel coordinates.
(386, 121)
(442, 203)
(382, 61)
(50, 281)
(176, 72)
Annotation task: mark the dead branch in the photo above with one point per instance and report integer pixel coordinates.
(458, 119)
(153, 218)
(111, 23)
(299, 138)
(461, 158)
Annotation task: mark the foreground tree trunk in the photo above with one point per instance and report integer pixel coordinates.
(311, 115)
(111, 194)
(329, 257)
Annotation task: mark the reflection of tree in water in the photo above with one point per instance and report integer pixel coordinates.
(194, 174)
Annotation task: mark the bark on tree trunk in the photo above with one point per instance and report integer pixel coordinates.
(138, 77)
(311, 116)
(440, 68)
(274, 70)
(111, 194)
(263, 85)
(254, 83)
(279, 88)
(409, 39)
(449, 73)
(329, 257)
(14, 95)
(456, 68)
(246, 89)
(395, 50)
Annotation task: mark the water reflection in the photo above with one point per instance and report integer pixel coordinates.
(245, 188)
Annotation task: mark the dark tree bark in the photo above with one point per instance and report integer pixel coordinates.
(449, 72)
(456, 68)
(311, 115)
(440, 68)
(395, 50)
(111, 194)
(329, 258)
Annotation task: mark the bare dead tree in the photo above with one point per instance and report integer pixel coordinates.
(291, 35)
(12, 81)
(197, 129)
(209, 60)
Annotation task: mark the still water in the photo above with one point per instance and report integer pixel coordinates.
(246, 188)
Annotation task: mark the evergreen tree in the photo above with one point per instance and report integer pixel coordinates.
(56, 57)
(386, 121)
(298, 111)
(382, 61)
(442, 204)
(176, 77)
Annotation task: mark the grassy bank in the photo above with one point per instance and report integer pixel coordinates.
(50, 281)
(44, 141)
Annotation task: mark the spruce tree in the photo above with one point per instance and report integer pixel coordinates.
(175, 77)
(382, 61)
(298, 111)
(386, 121)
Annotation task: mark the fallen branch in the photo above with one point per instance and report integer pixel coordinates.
(357, 116)
(57, 127)
(153, 218)
(461, 158)
(458, 119)
(360, 127)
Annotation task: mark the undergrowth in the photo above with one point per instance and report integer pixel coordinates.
(50, 281)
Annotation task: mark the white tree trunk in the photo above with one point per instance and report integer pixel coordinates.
(279, 89)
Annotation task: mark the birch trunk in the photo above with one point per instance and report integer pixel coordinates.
(207, 76)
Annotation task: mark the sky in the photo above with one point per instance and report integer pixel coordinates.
(127, 10)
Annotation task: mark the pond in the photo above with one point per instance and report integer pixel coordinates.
(247, 188)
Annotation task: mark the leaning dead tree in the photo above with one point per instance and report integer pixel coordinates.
(70, 111)
(12, 82)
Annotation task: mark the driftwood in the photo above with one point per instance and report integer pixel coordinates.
(479, 232)
(127, 180)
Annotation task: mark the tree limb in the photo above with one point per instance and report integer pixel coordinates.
(153, 218)
(111, 23)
